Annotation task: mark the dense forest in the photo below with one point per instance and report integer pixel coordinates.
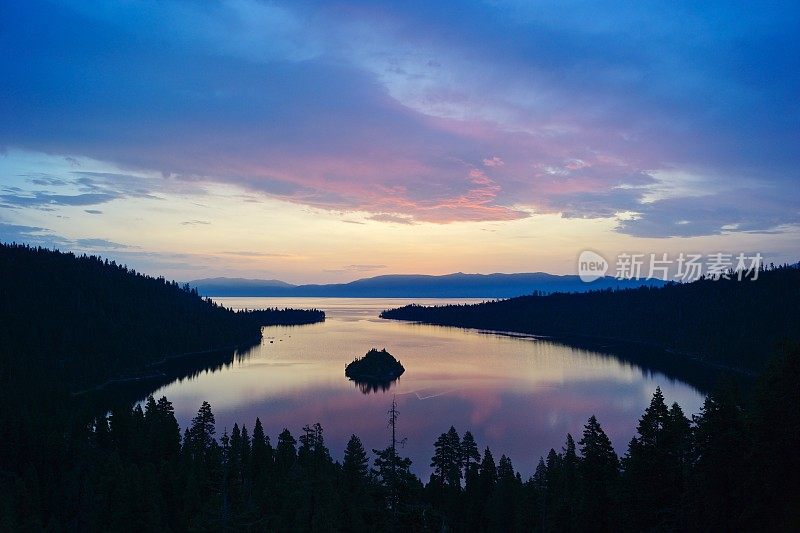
(80, 462)
(731, 322)
(71, 323)
(81, 320)
(731, 468)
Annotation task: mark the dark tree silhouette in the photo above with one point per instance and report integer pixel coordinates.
(725, 322)
(600, 473)
(448, 459)
(70, 462)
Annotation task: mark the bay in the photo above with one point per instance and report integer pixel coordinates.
(518, 395)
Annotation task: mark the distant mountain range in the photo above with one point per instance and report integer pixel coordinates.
(458, 285)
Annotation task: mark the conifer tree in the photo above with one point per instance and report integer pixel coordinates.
(722, 458)
(169, 432)
(648, 467)
(565, 496)
(599, 468)
(261, 469)
(355, 466)
(202, 430)
(447, 460)
(470, 455)
(285, 451)
(355, 497)
(775, 470)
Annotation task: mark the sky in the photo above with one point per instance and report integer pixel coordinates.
(327, 141)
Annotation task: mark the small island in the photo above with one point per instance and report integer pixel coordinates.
(376, 366)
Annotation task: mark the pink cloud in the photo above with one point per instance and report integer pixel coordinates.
(493, 162)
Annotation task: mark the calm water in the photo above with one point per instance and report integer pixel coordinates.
(519, 396)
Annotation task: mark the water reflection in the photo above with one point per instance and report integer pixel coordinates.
(520, 396)
(368, 387)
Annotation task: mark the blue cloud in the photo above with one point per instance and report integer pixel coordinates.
(389, 108)
(44, 200)
(101, 244)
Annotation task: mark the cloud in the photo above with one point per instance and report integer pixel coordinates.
(126, 185)
(47, 201)
(195, 223)
(740, 210)
(355, 268)
(155, 263)
(388, 109)
(101, 244)
(87, 188)
(33, 235)
(363, 268)
(46, 180)
(256, 254)
(38, 236)
(391, 217)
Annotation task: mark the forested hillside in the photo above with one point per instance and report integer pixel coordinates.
(731, 468)
(81, 320)
(68, 465)
(72, 322)
(726, 321)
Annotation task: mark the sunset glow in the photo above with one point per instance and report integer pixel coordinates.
(319, 143)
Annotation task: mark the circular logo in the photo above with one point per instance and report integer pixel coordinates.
(591, 266)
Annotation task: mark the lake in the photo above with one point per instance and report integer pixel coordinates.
(518, 395)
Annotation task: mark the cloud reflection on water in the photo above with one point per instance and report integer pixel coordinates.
(519, 396)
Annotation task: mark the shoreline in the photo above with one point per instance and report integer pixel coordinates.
(682, 365)
(167, 360)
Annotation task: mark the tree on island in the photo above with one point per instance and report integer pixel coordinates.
(377, 365)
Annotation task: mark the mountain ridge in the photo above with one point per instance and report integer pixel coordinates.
(455, 285)
(241, 281)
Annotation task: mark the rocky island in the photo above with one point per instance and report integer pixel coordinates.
(376, 366)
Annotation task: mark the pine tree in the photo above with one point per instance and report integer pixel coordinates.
(470, 455)
(394, 473)
(245, 464)
(539, 485)
(312, 450)
(651, 426)
(472, 503)
(650, 488)
(775, 472)
(233, 463)
(678, 440)
(503, 505)
(355, 466)
(315, 483)
(261, 462)
(722, 458)
(169, 432)
(355, 472)
(565, 502)
(553, 493)
(285, 451)
(202, 430)
(488, 473)
(599, 468)
(150, 407)
(227, 478)
(448, 459)
(486, 484)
